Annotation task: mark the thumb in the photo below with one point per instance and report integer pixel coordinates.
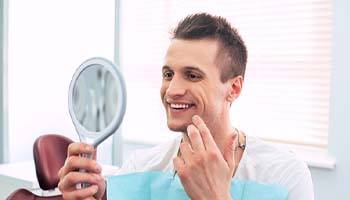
(229, 154)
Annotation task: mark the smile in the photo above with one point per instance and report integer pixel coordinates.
(180, 106)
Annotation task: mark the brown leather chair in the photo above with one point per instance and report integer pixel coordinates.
(50, 153)
(23, 194)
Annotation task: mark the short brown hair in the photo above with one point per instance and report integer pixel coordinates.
(232, 55)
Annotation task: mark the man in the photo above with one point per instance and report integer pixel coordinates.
(203, 75)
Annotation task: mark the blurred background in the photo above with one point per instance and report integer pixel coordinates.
(295, 86)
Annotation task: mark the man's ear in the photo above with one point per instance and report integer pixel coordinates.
(235, 88)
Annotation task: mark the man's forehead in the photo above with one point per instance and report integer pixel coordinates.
(191, 53)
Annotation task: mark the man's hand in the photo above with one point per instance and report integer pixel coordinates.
(70, 176)
(204, 172)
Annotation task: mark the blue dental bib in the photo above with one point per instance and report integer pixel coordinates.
(162, 186)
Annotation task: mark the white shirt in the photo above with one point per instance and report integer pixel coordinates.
(261, 162)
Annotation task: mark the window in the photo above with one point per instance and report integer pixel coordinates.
(286, 91)
(47, 41)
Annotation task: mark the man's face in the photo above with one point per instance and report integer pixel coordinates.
(191, 83)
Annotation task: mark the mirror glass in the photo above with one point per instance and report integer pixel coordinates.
(97, 100)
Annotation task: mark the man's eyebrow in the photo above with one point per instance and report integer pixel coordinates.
(186, 68)
(193, 68)
(165, 67)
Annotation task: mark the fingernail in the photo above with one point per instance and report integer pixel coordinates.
(94, 188)
(189, 127)
(195, 118)
(98, 168)
(88, 148)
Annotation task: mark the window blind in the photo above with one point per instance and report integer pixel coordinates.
(285, 96)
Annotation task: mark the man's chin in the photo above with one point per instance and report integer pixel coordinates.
(178, 124)
(178, 128)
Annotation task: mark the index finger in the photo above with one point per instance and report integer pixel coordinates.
(196, 140)
(208, 139)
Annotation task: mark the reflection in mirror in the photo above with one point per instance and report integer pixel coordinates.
(95, 98)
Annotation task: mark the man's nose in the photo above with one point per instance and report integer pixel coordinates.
(176, 88)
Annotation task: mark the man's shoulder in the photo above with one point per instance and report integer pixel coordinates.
(268, 163)
(157, 158)
(263, 155)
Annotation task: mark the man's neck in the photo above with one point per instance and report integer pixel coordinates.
(222, 135)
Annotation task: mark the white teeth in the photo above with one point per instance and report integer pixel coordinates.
(173, 105)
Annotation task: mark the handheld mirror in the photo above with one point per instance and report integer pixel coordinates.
(97, 100)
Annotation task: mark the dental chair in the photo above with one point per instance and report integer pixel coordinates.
(50, 153)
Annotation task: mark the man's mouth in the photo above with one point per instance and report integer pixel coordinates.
(180, 107)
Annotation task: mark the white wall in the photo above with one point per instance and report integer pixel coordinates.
(335, 184)
(47, 41)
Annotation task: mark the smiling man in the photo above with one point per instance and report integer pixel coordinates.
(203, 75)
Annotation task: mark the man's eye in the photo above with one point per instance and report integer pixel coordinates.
(167, 75)
(192, 76)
